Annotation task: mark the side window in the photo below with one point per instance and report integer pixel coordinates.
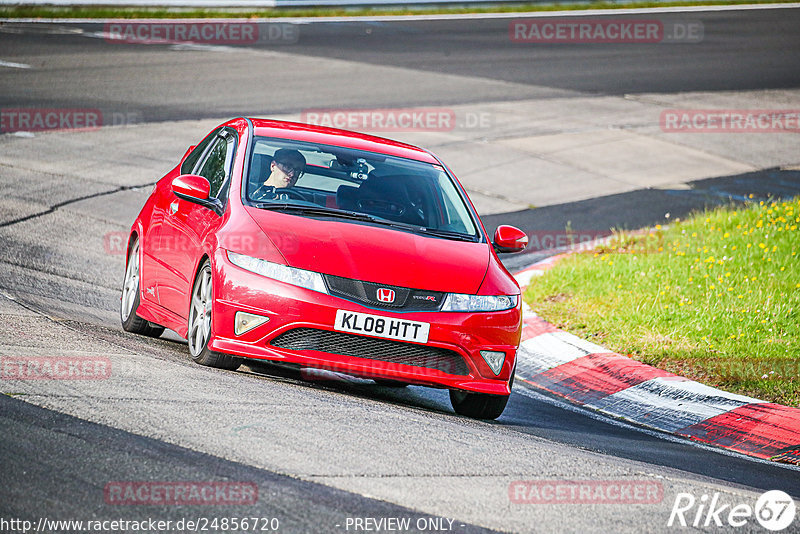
(217, 164)
(191, 160)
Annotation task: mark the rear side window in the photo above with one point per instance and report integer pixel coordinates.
(191, 160)
(217, 164)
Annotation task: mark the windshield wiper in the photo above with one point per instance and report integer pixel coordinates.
(317, 210)
(448, 234)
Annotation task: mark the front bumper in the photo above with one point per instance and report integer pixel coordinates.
(289, 307)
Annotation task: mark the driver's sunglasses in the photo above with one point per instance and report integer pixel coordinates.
(293, 172)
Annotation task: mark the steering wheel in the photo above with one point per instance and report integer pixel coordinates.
(394, 210)
(291, 193)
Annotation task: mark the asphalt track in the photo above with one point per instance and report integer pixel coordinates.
(757, 49)
(319, 451)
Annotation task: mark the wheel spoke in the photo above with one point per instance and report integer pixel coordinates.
(200, 312)
(197, 306)
(196, 344)
(130, 286)
(195, 323)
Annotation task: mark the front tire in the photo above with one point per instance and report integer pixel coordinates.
(478, 405)
(129, 302)
(200, 324)
(481, 405)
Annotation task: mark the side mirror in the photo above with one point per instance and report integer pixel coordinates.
(509, 239)
(196, 189)
(192, 186)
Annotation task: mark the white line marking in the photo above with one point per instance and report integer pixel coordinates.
(670, 403)
(529, 391)
(552, 349)
(14, 65)
(453, 16)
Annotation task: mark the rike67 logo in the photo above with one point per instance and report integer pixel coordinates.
(774, 510)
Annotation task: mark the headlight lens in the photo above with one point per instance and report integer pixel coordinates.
(458, 302)
(282, 273)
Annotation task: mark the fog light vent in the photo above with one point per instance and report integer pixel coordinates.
(494, 360)
(244, 322)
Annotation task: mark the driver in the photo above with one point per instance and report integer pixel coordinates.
(287, 166)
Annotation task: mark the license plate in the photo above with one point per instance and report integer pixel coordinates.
(378, 326)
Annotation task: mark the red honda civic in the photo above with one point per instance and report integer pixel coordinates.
(327, 249)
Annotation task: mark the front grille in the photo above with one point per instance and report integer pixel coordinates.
(446, 361)
(405, 299)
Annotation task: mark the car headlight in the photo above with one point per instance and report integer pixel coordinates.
(458, 302)
(277, 271)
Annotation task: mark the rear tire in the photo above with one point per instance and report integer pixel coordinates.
(130, 299)
(389, 383)
(200, 324)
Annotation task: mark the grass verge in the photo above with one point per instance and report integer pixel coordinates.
(715, 298)
(130, 12)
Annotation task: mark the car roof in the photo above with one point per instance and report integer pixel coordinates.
(336, 137)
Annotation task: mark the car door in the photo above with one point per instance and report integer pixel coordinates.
(186, 225)
(154, 270)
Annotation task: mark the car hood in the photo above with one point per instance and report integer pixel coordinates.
(376, 254)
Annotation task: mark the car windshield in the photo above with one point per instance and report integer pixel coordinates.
(313, 179)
